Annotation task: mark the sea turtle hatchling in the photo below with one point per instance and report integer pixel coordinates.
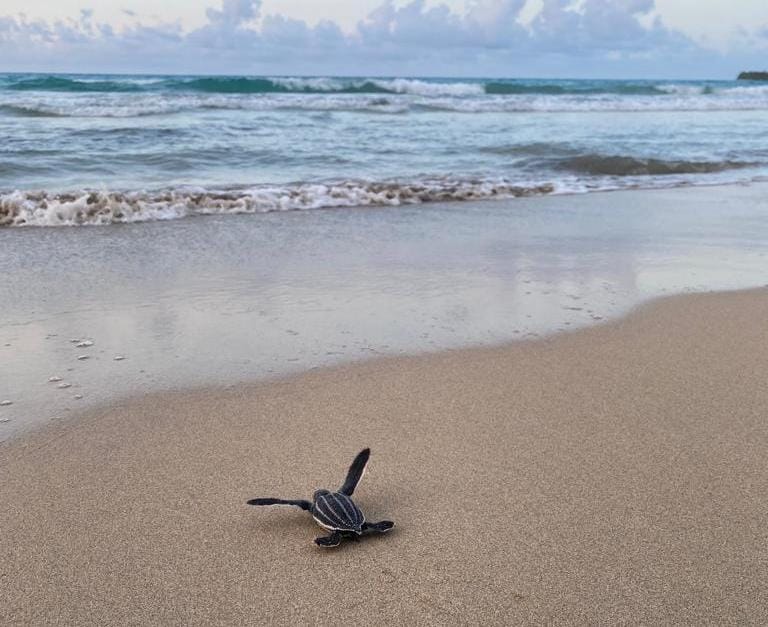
(336, 511)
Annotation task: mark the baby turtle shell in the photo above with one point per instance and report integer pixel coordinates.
(337, 512)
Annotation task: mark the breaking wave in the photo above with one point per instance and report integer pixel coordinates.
(142, 105)
(60, 83)
(247, 85)
(28, 111)
(93, 207)
(395, 86)
(138, 96)
(618, 165)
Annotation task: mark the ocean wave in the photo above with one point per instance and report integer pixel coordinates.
(61, 83)
(241, 85)
(576, 88)
(147, 105)
(250, 85)
(90, 207)
(143, 105)
(685, 89)
(532, 149)
(428, 88)
(622, 165)
(113, 96)
(592, 103)
(94, 207)
(324, 85)
(747, 90)
(28, 111)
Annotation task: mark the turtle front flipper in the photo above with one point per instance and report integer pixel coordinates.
(329, 541)
(355, 472)
(305, 505)
(379, 527)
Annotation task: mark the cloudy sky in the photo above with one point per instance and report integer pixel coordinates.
(545, 38)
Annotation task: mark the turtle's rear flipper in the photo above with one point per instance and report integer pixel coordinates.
(379, 527)
(305, 505)
(329, 541)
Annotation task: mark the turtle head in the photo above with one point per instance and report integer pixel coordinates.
(319, 493)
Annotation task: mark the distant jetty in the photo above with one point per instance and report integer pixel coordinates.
(753, 76)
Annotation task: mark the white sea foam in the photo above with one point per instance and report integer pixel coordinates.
(139, 105)
(409, 86)
(93, 208)
(424, 88)
(316, 83)
(746, 90)
(89, 207)
(681, 89)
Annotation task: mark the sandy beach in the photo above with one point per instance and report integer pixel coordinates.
(615, 474)
(518, 250)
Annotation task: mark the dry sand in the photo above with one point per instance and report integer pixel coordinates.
(613, 475)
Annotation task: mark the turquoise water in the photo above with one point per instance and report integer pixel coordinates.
(97, 149)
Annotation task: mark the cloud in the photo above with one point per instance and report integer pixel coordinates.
(566, 37)
(608, 26)
(234, 12)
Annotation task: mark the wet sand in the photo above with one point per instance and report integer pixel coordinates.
(611, 475)
(230, 299)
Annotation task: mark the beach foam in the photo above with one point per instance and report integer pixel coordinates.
(92, 207)
(407, 101)
(578, 173)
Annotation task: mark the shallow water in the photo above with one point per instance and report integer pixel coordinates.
(223, 299)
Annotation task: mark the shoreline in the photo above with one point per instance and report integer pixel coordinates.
(610, 474)
(62, 424)
(96, 207)
(244, 298)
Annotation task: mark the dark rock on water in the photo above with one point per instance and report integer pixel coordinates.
(753, 76)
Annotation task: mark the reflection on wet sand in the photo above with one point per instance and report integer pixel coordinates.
(94, 314)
